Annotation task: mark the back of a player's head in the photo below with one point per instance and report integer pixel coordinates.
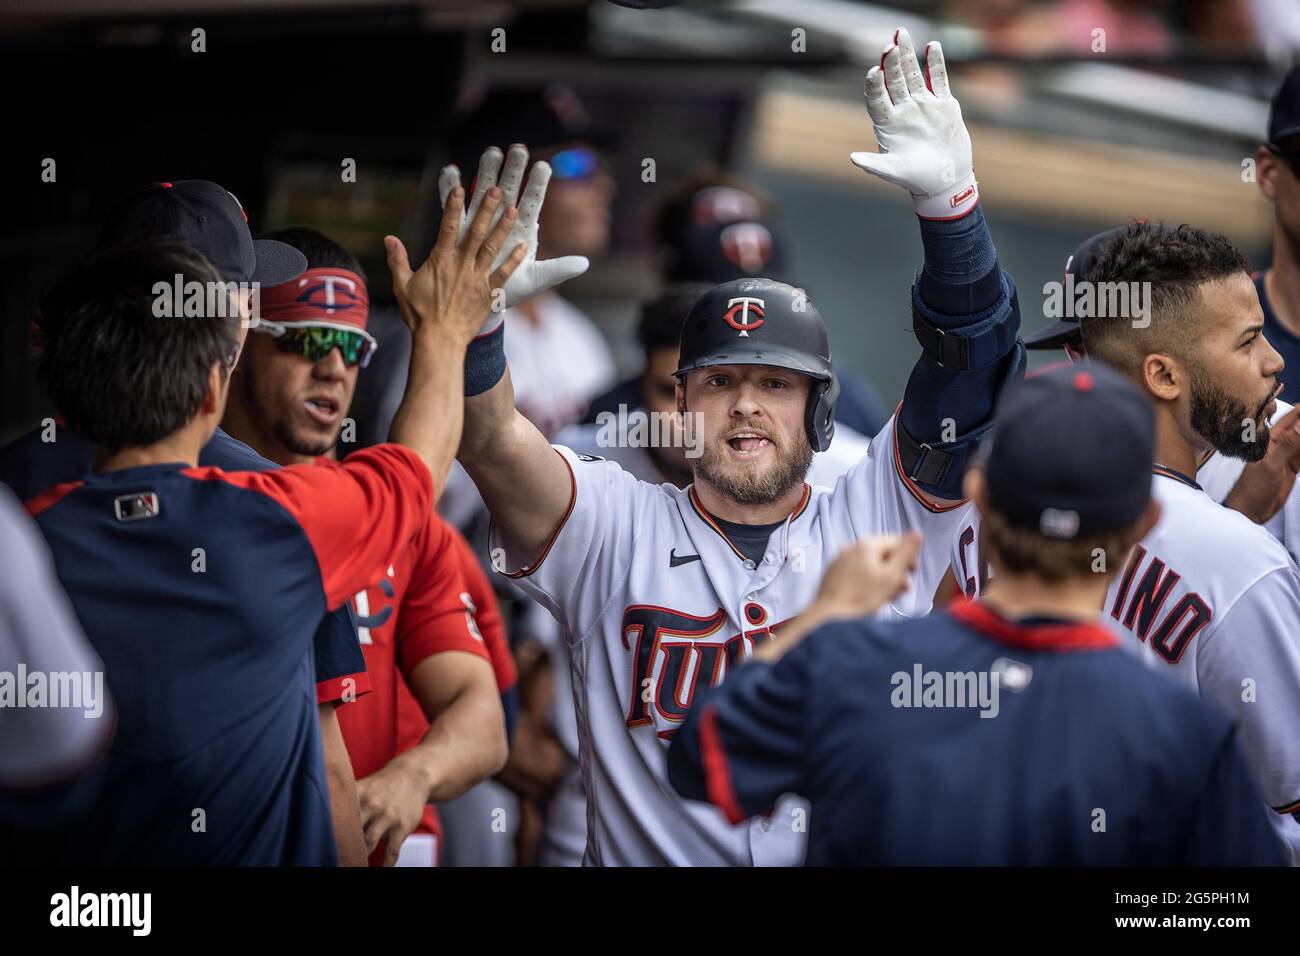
(321, 251)
(660, 323)
(1064, 482)
(1155, 273)
(125, 368)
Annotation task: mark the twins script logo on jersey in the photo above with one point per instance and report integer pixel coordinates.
(686, 652)
(744, 313)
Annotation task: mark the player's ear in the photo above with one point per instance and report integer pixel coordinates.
(1267, 166)
(214, 400)
(1163, 376)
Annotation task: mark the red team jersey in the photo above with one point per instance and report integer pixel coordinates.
(435, 598)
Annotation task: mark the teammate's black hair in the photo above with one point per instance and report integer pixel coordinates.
(1172, 263)
(120, 374)
(660, 324)
(321, 251)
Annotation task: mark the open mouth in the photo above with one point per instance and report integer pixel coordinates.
(749, 443)
(322, 409)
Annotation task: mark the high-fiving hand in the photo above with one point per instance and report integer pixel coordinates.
(451, 292)
(924, 146)
(532, 276)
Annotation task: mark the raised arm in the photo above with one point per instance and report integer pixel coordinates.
(964, 310)
(524, 482)
(443, 303)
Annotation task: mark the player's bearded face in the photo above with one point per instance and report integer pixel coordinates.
(1233, 427)
(755, 448)
(300, 403)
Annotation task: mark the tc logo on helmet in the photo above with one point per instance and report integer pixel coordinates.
(744, 313)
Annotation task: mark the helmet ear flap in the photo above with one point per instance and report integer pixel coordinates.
(819, 419)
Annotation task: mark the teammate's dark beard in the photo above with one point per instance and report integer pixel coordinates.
(1219, 419)
(280, 427)
(756, 489)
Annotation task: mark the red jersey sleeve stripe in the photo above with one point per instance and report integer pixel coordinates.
(51, 496)
(344, 689)
(573, 497)
(717, 773)
(910, 485)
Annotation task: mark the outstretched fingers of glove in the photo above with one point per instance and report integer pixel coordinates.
(936, 71)
(512, 174)
(489, 167)
(530, 206)
(878, 105)
(911, 69)
(448, 179)
(891, 64)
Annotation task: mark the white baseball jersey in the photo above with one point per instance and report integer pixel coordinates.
(655, 601)
(1213, 599)
(565, 828)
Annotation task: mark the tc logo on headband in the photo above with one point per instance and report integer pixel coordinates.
(330, 293)
(744, 313)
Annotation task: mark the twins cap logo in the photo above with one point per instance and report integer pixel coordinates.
(747, 244)
(744, 313)
(331, 293)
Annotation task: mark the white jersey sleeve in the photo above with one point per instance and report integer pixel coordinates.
(875, 497)
(590, 552)
(39, 633)
(1250, 666)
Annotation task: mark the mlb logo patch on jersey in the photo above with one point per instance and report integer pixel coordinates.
(134, 507)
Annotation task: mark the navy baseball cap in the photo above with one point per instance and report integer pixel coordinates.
(211, 220)
(717, 234)
(1284, 112)
(1070, 453)
(1065, 330)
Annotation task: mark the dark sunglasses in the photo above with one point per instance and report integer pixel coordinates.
(315, 342)
(577, 163)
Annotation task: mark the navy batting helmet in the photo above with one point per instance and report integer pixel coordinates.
(765, 322)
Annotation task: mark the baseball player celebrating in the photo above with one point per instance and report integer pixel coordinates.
(1092, 758)
(660, 590)
(1208, 594)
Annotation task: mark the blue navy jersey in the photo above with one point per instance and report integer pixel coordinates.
(1279, 336)
(965, 738)
(29, 466)
(200, 591)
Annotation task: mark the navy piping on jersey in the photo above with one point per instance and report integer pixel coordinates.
(712, 522)
(1166, 471)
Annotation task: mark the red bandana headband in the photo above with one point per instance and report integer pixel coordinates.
(326, 296)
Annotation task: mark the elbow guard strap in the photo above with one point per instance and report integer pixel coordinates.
(939, 467)
(982, 341)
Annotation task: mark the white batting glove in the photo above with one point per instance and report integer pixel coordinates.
(924, 146)
(532, 277)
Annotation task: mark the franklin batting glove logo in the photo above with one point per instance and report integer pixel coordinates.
(744, 313)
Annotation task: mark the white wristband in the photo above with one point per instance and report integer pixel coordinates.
(951, 203)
